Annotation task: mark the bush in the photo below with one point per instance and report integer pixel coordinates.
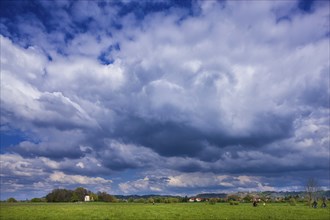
(292, 202)
(231, 202)
(105, 197)
(233, 197)
(212, 201)
(140, 200)
(151, 200)
(37, 200)
(173, 200)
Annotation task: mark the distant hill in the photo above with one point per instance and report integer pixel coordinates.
(272, 194)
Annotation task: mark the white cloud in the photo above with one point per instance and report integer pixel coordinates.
(134, 186)
(61, 177)
(82, 76)
(50, 163)
(153, 183)
(81, 165)
(198, 180)
(16, 165)
(229, 67)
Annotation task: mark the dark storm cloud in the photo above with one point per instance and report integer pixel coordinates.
(175, 138)
(166, 138)
(55, 151)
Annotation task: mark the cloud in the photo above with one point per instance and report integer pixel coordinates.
(102, 90)
(76, 179)
(39, 175)
(147, 184)
(119, 156)
(15, 165)
(195, 183)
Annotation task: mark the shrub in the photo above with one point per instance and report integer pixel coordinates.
(233, 197)
(37, 200)
(292, 202)
(231, 202)
(173, 200)
(140, 200)
(151, 200)
(212, 201)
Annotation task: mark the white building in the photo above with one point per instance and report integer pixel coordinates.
(87, 199)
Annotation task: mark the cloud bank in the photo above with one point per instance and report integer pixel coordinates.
(164, 97)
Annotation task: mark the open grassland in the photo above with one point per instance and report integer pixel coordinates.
(158, 211)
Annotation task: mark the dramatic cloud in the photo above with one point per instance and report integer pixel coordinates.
(164, 97)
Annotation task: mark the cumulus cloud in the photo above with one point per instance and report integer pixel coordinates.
(147, 184)
(196, 182)
(41, 174)
(228, 89)
(76, 179)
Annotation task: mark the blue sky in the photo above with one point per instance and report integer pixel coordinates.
(163, 97)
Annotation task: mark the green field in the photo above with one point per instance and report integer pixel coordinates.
(158, 211)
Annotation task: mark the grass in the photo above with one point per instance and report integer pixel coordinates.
(107, 211)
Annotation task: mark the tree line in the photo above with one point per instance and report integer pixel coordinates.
(311, 194)
(78, 195)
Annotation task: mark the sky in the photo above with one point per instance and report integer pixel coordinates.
(164, 97)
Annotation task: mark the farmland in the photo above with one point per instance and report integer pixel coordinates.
(98, 210)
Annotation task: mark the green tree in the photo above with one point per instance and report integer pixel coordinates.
(159, 199)
(212, 201)
(37, 200)
(233, 198)
(140, 200)
(232, 202)
(74, 197)
(173, 200)
(248, 198)
(59, 195)
(292, 201)
(151, 200)
(185, 199)
(11, 199)
(105, 197)
(94, 197)
(81, 193)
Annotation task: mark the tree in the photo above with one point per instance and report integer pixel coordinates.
(212, 201)
(140, 200)
(173, 200)
(233, 197)
(185, 199)
(311, 189)
(74, 197)
(292, 201)
(60, 195)
(81, 193)
(105, 197)
(151, 200)
(248, 198)
(93, 196)
(37, 200)
(11, 199)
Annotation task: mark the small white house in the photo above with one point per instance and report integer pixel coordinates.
(87, 199)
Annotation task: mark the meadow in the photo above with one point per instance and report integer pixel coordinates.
(190, 211)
